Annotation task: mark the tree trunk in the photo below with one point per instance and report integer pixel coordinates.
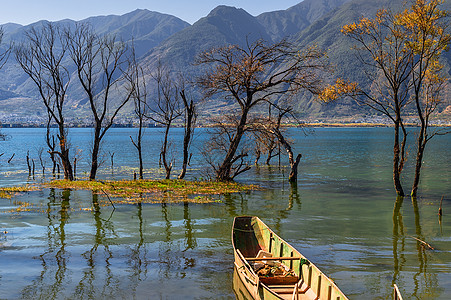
(139, 148)
(64, 153)
(95, 152)
(67, 167)
(396, 162)
(188, 134)
(223, 172)
(140, 157)
(419, 161)
(168, 167)
(293, 177)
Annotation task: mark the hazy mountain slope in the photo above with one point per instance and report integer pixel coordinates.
(326, 34)
(223, 25)
(147, 29)
(283, 23)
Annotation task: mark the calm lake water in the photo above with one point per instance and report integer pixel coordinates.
(343, 215)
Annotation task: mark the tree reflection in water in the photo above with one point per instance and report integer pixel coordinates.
(88, 287)
(425, 282)
(399, 259)
(49, 284)
(431, 285)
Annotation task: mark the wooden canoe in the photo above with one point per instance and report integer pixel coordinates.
(257, 248)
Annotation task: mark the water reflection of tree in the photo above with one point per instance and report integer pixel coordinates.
(399, 259)
(425, 283)
(174, 256)
(431, 284)
(137, 259)
(51, 280)
(283, 214)
(86, 288)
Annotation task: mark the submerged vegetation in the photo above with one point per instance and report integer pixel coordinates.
(9, 192)
(155, 191)
(131, 192)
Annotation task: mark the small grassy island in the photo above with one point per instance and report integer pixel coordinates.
(142, 191)
(155, 191)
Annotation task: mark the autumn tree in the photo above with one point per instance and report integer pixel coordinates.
(381, 48)
(41, 56)
(100, 63)
(426, 29)
(402, 52)
(252, 75)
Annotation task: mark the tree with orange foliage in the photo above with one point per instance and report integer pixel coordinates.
(383, 51)
(426, 29)
(402, 52)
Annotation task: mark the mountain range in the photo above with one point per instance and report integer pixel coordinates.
(176, 43)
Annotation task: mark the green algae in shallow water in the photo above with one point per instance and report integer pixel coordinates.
(156, 191)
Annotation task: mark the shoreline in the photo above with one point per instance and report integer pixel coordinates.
(313, 124)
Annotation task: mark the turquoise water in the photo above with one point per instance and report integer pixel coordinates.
(343, 215)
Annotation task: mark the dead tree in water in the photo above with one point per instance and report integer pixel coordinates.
(100, 63)
(164, 110)
(137, 87)
(275, 129)
(251, 76)
(41, 161)
(190, 123)
(41, 57)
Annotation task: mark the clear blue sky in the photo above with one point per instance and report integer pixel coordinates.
(28, 11)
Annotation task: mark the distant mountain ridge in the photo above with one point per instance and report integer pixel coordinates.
(165, 38)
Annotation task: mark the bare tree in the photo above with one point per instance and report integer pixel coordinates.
(100, 63)
(5, 52)
(50, 140)
(255, 74)
(221, 133)
(190, 116)
(164, 109)
(4, 55)
(41, 57)
(138, 90)
(271, 128)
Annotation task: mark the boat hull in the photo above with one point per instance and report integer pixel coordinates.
(250, 236)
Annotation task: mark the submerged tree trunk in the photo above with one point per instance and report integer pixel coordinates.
(293, 177)
(95, 152)
(190, 118)
(224, 170)
(396, 162)
(138, 146)
(167, 166)
(140, 153)
(421, 144)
